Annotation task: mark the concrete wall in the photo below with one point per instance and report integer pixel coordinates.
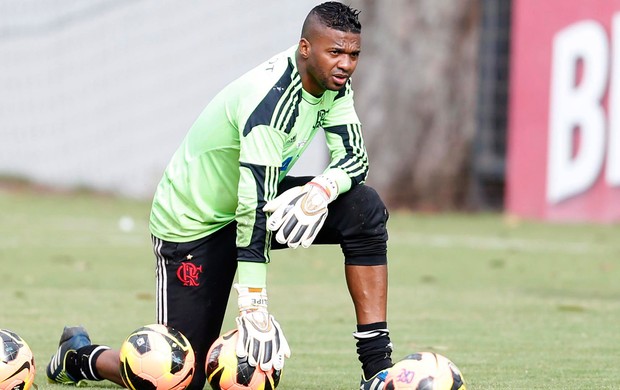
(100, 93)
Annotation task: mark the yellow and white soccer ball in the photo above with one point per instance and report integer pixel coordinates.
(17, 367)
(225, 371)
(157, 357)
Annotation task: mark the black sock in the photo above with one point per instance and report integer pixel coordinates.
(374, 347)
(81, 364)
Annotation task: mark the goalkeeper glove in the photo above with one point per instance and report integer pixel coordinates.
(260, 336)
(299, 213)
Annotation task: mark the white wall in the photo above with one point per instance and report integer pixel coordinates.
(100, 93)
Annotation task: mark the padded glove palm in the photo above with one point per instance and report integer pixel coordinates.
(260, 337)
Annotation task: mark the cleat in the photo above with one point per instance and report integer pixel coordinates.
(72, 339)
(377, 382)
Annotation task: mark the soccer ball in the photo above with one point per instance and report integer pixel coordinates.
(424, 371)
(156, 357)
(225, 371)
(16, 362)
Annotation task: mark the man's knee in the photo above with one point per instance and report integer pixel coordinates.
(362, 216)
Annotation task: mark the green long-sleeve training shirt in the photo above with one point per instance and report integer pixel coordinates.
(243, 143)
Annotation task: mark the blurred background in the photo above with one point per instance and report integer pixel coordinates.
(469, 105)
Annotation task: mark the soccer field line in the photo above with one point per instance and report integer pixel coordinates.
(496, 243)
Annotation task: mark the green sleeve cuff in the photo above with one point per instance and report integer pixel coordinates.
(251, 274)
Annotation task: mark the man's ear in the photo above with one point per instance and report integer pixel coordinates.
(304, 48)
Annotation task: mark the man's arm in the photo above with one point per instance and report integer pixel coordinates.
(343, 132)
(260, 337)
(299, 213)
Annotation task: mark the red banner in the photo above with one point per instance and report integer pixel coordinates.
(564, 119)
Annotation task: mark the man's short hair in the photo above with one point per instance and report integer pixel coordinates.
(337, 16)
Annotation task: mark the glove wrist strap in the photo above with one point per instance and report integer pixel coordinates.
(251, 298)
(327, 184)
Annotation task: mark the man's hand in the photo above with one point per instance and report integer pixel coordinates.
(299, 213)
(260, 336)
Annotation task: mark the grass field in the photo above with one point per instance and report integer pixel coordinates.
(516, 305)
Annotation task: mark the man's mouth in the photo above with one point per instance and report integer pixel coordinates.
(341, 78)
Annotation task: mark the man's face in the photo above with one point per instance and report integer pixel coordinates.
(332, 58)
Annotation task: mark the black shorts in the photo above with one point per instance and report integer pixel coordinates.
(194, 279)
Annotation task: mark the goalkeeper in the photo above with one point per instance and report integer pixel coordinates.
(225, 200)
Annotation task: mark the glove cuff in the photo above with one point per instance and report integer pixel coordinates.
(327, 184)
(251, 298)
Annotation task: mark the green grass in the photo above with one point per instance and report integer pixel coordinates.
(516, 305)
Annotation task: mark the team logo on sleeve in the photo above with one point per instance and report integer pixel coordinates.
(188, 274)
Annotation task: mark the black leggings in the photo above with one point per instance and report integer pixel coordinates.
(356, 220)
(194, 279)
